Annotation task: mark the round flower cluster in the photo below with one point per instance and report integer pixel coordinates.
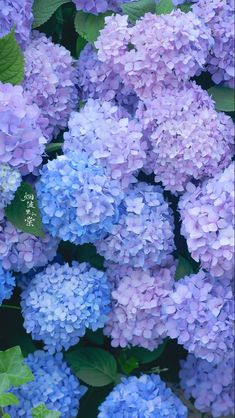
(20, 251)
(97, 80)
(200, 314)
(212, 386)
(53, 384)
(161, 49)
(78, 202)
(10, 180)
(188, 138)
(16, 14)
(61, 302)
(111, 140)
(50, 79)
(145, 397)
(138, 295)
(207, 214)
(22, 142)
(98, 6)
(7, 283)
(218, 15)
(143, 235)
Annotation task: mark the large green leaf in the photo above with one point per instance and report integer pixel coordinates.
(88, 25)
(94, 366)
(7, 399)
(138, 8)
(164, 7)
(41, 411)
(11, 60)
(23, 211)
(12, 370)
(184, 268)
(224, 98)
(44, 9)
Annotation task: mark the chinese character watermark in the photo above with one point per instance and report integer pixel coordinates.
(31, 213)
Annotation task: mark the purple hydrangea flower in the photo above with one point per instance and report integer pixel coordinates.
(143, 235)
(97, 80)
(98, 6)
(61, 302)
(54, 385)
(7, 284)
(200, 314)
(22, 142)
(138, 295)
(20, 251)
(212, 386)
(145, 397)
(207, 214)
(188, 138)
(50, 79)
(161, 49)
(78, 201)
(10, 180)
(112, 140)
(18, 14)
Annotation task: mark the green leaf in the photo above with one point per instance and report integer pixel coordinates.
(23, 211)
(41, 411)
(11, 60)
(184, 268)
(7, 399)
(164, 7)
(88, 25)
(53, 147)
(95, 337)
(138, 8)
(44, 9)
(12, 370)
(224, 98)
(127, 364)
(6, 416)
(185, 7)
(146, 356)
(94, 366)
(80, 44)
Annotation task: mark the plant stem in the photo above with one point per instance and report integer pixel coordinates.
(11, 307)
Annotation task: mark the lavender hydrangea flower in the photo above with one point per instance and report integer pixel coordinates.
(10, 180)
(78, 201)
(200, 314)
(137, 297)
(20, 251)
(212, 386)
(98, 6)
(207, 214)
(218, 15)
(18, 14)
(111, 140)
(7, 283)
(188, 138)
(145, 397)
(143, 236)
(50, 79)
(161, 49)
(53, 384)
(61, 302)
(97, 80)
(22, 142)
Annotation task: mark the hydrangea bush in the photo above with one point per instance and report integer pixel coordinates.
(117, 209)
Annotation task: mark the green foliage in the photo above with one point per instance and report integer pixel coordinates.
(185, 7)
(23, 211)
(53, 147)
(12, 370)
(164, 7)
(7, 399)
(44, 9)
(128, 365)
(80, 44)
(95, 337)
(145, 356)
(94, 366)
(138, 8)
(11, 60)
(224, 98)
(88, 25)
(184, 268)
(41, 411)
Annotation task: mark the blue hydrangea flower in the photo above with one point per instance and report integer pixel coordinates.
(99, 6)
(7, 283)
(144, 397)
(62, 301)
(18, 14)
(78, 202)
(10, 180)
(53, 384)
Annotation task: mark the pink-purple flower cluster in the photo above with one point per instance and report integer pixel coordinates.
(98, 6)
(16, 14)
(207, 214)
